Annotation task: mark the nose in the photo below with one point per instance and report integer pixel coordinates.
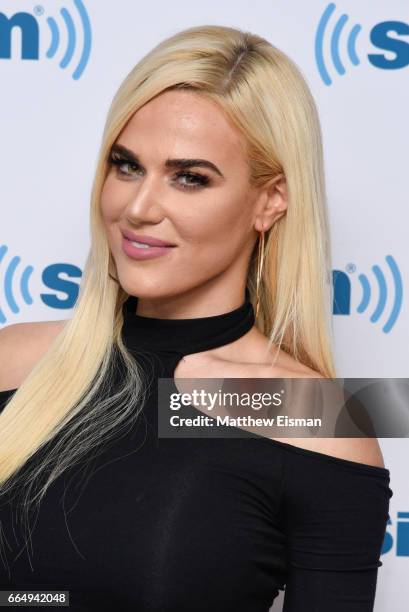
(144, 203)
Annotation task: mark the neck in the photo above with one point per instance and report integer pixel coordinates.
(190, 305)
(188, 334)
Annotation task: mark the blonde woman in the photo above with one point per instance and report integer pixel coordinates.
(209, 258)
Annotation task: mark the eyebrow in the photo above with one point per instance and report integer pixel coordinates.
(182, 163)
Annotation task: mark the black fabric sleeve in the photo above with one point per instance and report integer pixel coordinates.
(335, 514)
(5, 396)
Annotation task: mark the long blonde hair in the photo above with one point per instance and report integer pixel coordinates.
(267, 98)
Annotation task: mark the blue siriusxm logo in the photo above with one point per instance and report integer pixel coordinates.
(343, 290)
(29, 26)
(339, 37)
(52, 279)
(400, 541)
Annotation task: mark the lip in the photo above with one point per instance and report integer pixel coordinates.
(149, 240)
(142, 253)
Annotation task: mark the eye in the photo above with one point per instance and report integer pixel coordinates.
(194, 181)
(127, 168)
(117, 161)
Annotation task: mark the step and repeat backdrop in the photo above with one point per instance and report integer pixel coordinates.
(60, 65)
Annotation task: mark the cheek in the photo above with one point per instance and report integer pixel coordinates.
(110, 208)
(110, 202)
(218, 220)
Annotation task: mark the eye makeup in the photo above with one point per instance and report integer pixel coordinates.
(185, 178)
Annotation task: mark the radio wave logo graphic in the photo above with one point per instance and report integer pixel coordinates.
(382, 294)
(65, 38)
(10, 272)
(335, 44)
(71, 38)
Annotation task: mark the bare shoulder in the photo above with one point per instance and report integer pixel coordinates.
(288, 367)
(21, 346)
(361, 450)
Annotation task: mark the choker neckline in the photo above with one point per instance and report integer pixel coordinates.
(184, 336)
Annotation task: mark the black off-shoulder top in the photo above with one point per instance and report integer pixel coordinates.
(220, 524)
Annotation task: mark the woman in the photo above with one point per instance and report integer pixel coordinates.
(212, 151)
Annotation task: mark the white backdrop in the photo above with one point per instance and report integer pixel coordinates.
(355, 57)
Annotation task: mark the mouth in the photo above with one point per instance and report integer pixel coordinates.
(141, 245)
(143, 240)
(141, 251)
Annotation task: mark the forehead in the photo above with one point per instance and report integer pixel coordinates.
(184, 124)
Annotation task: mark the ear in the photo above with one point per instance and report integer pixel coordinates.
(272, 203)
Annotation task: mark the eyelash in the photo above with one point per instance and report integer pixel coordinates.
(117, 161)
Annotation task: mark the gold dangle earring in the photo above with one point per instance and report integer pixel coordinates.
(260, 262)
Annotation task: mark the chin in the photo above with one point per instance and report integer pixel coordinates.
(142, 291)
